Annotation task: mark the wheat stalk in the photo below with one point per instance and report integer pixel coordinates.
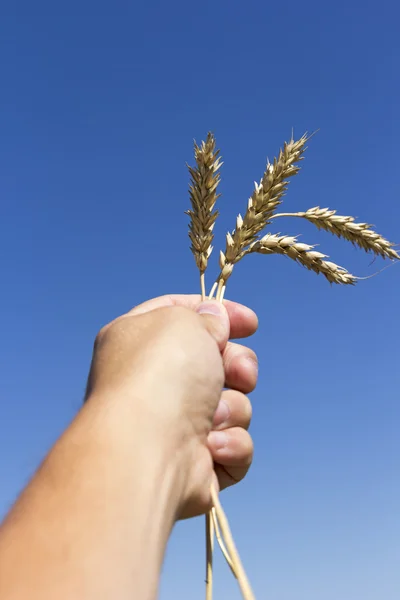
(203, 196)
(234, 562)
(303, 254)
(359, 234)
(210, 529)
(221, 541)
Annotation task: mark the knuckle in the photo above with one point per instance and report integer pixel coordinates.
(107, 330)
(101, 335)
(189, 339)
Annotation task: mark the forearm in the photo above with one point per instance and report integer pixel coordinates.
(94, 521)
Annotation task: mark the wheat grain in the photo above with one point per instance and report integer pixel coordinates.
(265, 199)
(359, 234)
(303, 254)
(203, 196)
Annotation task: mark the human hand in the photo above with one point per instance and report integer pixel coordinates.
(138, 456)
(169, 363)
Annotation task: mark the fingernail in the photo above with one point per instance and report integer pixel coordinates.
(218, 439)
(221, 414)
(252, 362)
(210, 308)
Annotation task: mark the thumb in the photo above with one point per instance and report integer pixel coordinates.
(216, 321)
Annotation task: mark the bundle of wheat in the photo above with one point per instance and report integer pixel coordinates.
(245, 239)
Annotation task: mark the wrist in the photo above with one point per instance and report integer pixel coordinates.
(143, 445)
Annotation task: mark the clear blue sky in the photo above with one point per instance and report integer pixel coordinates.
(99, 104)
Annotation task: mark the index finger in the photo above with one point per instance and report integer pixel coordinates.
(243, 320)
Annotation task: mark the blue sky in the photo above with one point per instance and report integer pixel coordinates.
(99, 104)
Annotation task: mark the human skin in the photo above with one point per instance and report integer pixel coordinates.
(142, 453)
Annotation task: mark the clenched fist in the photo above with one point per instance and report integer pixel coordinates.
(167, 361)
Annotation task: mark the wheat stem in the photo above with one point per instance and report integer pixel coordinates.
(286, 215)
(244, 584)
(212, 527)
(219, 289)
(214, 287)
(203, 286)
(230, 551)
(209, 555)
(221, 542)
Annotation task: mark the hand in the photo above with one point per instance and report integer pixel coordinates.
(139, 455)
(165, 351)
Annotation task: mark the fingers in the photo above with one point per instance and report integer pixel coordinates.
(241, 367)
(232, 447)
(243, 321)
(232, 451)
(234, 410)
(227, 477)
(230, 444)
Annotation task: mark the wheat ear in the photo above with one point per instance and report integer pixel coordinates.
(304, 254)
(359, 234)
(264, 201)
(203, 196)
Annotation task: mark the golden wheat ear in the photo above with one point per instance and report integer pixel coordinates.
(304, 254)
(266, 197)
(203, 196)
(359, 234)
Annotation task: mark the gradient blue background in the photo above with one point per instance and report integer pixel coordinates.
(99, 104)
